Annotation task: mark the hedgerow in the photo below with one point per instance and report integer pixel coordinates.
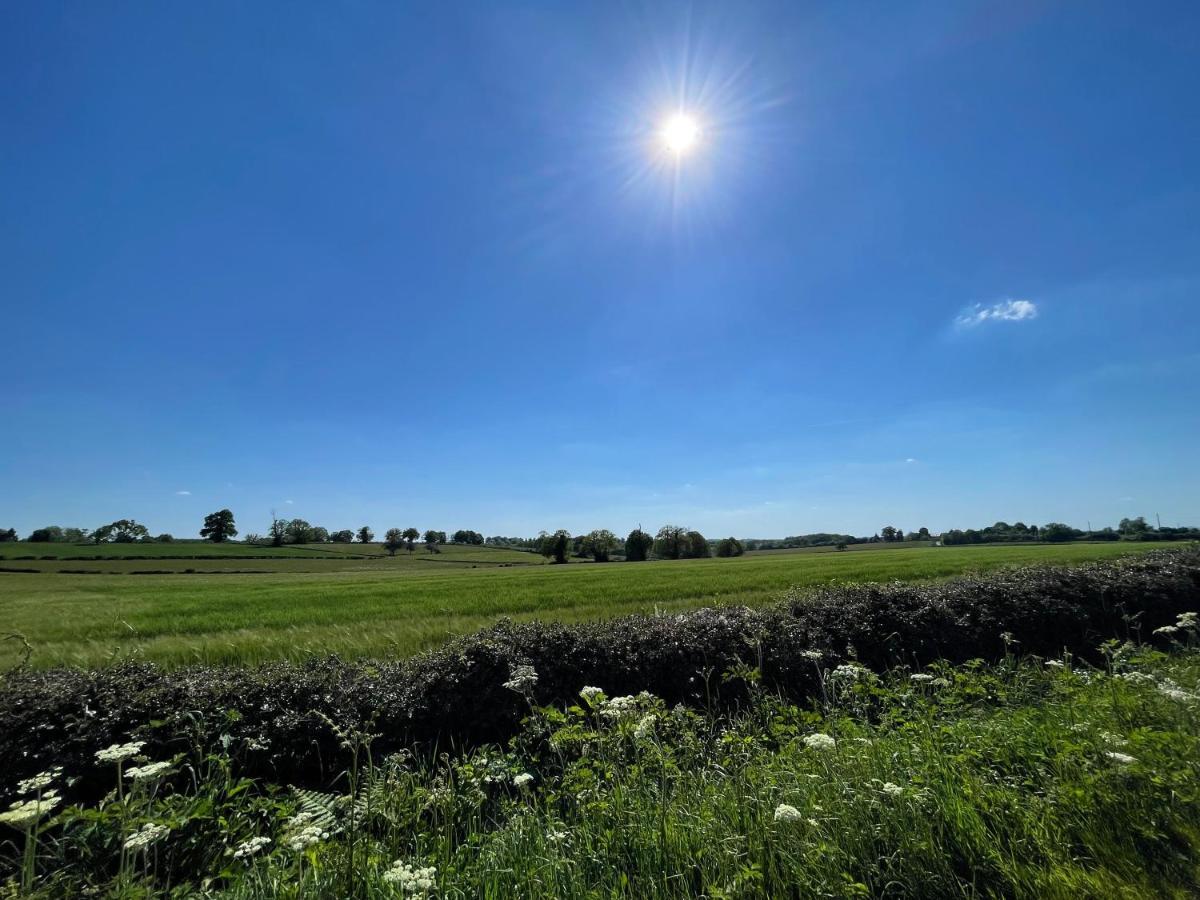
(278, 715)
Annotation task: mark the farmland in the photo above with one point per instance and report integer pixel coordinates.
(297, 601)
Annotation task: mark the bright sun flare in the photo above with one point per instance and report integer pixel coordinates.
(680, 133)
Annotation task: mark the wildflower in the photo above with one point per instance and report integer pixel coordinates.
(246, 849)
(589, 693)
(522, 679)
(150, 833)
(148, 772)
(819, 742)
(1169, 688)
(1122, 758)
(556, 836)
(1055, 663)
(645, 727)
(305, 837)
(920, 678)
(1137, 677)
(892, 790)
(1007, 637)
(619, 707)
(523, 780)
(39, 781)
(786, 813)
(1115, 739)
(847, 672)
(814, 655)
(120, 752)
(24, 814)
(1167, 629)
(410, 879)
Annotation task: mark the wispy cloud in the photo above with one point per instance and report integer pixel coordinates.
(183, 493)
(289, 502)
(1004, 311)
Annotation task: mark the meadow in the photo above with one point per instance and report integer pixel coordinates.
(314, 600)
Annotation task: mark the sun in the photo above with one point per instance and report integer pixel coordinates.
(680, 133)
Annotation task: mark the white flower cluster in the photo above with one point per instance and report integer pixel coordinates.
(120, 752)
(847, 672)
(619, 708)
(301, 834)
(1123, 759)
(892, 790)
(819, 742)
(246, 849)
(411, 880)
(589, 693)
(920, 678)
(522, 781)
(1186, 622)
(645, 727)
(522, 679)
(39, 781)
(1137, 678)
(555, 836)
(814, 655)
(1169, 688)
(147, 835)
(24, 814)
(786, 813)
(148, 772)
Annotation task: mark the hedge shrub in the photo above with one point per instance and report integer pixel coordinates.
(273, 717)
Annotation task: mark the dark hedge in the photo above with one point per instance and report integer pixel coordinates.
(271, 716)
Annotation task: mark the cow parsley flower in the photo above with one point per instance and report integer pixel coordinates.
(522, 679)
(25, 813)
(619, 707)
(522, 781)
(589, 693)
(1169, 688)
(892, 790)
(39, 781)
(148, 834)
(847, 672)
(820, 742)
(120, 752)
(786, 813)
(148, 772)
(413, 881)
(645, 727)
(246, 849)
(1123, 759)
(920, 678)
(305, 837)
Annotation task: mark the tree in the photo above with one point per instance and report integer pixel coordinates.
(48, 535)
(888, 533)
(299, 532)
(697, 546)
(730, 546)
(1056, 533)
(10, 535)
(122, 531)
(75, 535)
(218, 526)
(435, 537)
(345, 536)
(410, 535)
(671, 542)
(165, 539)
(555, 546)
(600, 544)
(638, 545)
(320, 535)
(1133, 527)
(278, 530)
(393, 541)
(923, 534)
(365, 535)
(466, 536)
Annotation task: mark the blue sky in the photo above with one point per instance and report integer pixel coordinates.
(929, 264)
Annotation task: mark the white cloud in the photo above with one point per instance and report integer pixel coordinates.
(183, 493)
(910, 460)
(1004, 311)
(289, 502)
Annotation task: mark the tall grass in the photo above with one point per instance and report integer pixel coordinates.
(1026, 778)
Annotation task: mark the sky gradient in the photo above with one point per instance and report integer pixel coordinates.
(931, 264)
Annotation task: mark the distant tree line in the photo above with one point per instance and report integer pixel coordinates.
(600, 545)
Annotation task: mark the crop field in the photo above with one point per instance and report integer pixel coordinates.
(239, 610)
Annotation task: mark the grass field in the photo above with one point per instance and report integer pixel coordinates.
(400, 606)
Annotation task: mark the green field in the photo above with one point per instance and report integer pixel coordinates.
(293, 607)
